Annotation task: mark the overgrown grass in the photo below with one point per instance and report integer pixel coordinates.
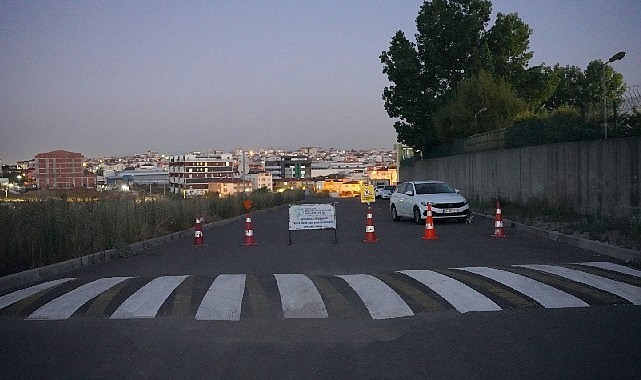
(624, 233)
(39, 232)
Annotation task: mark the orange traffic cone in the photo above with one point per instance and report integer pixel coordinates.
(498, 223)
(198, 233)
(249, 232)
(370, 235)
(430, 232)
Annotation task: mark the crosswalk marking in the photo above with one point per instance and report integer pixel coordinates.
(381, 301)
(67, 304)
(384, 296)
(299, 297)
(547, 296)
(626, 291)
(614, 267)
(21, 294)
(461, 296)
(223, 300)
(146, 302)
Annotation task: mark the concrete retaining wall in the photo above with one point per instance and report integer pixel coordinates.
(599, 177)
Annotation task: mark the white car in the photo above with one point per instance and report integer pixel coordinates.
(411, 198)
(384, 192)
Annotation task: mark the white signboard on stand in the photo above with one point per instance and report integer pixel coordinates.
(312, 217)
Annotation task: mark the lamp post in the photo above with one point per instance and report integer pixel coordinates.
(615, 57)
(476, 124)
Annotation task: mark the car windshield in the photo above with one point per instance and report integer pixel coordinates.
(433, 188)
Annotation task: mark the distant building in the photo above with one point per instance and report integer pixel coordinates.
(353, 170)
(387, 175)
(62, 170)
(260, 180)
(293, 183)
(296, 167)
(229, 186)
(342, 187)
(138, 177)
(273, 165)
(190, 174)
(289, 167)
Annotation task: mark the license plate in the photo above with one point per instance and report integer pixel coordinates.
(450, 210)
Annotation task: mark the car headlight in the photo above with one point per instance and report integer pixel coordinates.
(424, 203)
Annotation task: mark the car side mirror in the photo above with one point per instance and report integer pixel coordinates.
(409, 192)
(457, 191)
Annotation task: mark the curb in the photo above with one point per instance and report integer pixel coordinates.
(606, 249)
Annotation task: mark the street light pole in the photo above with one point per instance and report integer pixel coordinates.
(615, 57)
(476, 124)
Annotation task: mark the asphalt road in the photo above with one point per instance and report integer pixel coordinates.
(364, 315)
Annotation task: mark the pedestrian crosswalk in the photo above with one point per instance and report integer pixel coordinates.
(223, 300)
(404, 293)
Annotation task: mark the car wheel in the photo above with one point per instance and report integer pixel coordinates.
(417, 216)
(395, 216)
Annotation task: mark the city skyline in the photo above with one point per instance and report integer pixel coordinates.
(120, 77)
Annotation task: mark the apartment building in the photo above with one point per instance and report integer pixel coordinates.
(260, 180)
(191, 174)
(284, 167)
(60, 169)
(229, 186)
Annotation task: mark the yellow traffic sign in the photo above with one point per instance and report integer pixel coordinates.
(367, 194)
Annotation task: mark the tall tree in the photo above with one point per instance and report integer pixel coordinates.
(449, 38)
(451, 44)
(509, 41)
(407, 100)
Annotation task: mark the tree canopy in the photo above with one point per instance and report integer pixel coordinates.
(458, 65)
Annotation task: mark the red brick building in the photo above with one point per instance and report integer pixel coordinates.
(62, 170)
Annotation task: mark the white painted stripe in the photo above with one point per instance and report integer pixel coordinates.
(381, 301)
(461, 296)
(146, 302)
(546, 295)
(67, 304)
(614, 267)
(621, 289)
(223, 301)
(299, 297)
(18, 295)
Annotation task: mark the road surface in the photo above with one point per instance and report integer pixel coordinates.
(466, 305)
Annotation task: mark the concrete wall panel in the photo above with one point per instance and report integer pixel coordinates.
(591, 177)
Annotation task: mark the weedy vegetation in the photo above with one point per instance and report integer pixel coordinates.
(44, 230)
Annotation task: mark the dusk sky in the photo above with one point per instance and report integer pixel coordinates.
(123, 77)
